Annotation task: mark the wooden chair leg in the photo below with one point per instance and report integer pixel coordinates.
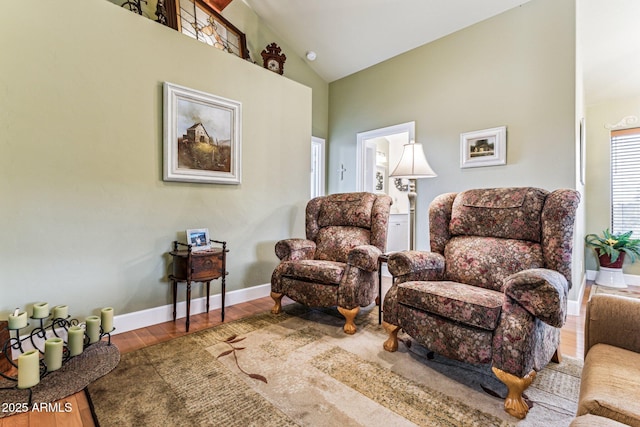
(557, 356)
(515, 404)
(277, 298)
(349, 315)
(391, 344)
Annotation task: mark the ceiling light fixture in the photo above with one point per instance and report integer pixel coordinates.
(311, 55)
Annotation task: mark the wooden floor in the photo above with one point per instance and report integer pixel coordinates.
(572, 344)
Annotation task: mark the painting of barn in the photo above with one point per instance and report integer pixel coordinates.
(202, 137)
(205, 141)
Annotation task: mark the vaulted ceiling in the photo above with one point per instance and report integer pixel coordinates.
(351, 35)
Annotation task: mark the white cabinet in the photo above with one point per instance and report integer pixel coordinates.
(398, 235)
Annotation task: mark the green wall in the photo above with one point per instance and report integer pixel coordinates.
(598, 185)
(86, 217)
(517, 69)
(258, 37)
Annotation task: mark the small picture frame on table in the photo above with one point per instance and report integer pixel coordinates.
(198, 238)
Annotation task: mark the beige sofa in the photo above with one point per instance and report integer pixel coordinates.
(610, 386)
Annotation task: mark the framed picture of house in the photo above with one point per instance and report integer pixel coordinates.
(202, 137)
(486, 147)
(198, 19)
(198, 238)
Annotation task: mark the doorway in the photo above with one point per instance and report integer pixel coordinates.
(317, 167)
(378, 152)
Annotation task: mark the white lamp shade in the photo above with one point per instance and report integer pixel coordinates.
(413, 163)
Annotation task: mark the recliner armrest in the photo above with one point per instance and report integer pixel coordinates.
(612, 320)
(416, 265)
(365, 257)
(542, 292)
(295, 249)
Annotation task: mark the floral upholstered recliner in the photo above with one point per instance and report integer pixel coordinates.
(336, 264)
(494, 287)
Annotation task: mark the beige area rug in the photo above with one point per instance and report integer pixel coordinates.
(315, 376)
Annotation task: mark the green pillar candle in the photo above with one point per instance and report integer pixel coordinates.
(28, 369)
(60, 311)
(53, 354)
(106, 317)
(93, 328)
(40, 310)
(76, 340)
(18, 321)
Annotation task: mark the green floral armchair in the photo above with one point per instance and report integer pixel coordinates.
(493, 289)
(336, 264)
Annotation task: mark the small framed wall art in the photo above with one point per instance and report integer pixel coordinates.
(198, 238)
(202, 137)
(486, 147)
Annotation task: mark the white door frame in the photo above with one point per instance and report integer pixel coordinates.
(362, 137)
(317, 184)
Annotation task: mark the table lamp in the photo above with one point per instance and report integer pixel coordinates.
(412, 165)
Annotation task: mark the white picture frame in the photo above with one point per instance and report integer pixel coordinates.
(487, 147)
(198, 238)
(202, 137)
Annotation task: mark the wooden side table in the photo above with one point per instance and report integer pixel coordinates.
(198, 266)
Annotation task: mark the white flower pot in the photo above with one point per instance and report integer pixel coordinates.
(611, 277)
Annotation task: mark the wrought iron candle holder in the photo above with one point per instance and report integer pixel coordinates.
(46, 328)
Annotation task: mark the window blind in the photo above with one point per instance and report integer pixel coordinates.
(625, 181)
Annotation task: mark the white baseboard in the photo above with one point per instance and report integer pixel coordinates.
(152, 316)
(573, 307)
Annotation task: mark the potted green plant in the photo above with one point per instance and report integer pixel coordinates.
(612, 247)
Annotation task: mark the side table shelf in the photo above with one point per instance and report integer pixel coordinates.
(198, 266)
